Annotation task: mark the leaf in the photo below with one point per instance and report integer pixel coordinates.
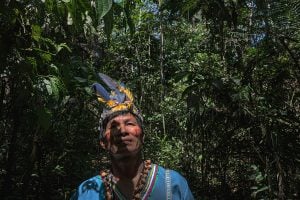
(200, 157)
(70, 19)
(102, 7)
(55, 85)
(262, 189)
(49, 6)
(108, 24)
(59, 170)
(79, 79)
(259, 178)
(61, 46)
(46, 57)
(254, 188)
(48, 86)
(36, 32)
(120, 2)
(65, 100)
(53, 69)
(32, 62)
(88, 90)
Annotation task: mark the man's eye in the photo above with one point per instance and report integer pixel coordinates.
(113, 126)
(130, 123)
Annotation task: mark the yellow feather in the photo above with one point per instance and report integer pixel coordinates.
(111, 103)
(119, 107)
(127, 93)
(101, 100)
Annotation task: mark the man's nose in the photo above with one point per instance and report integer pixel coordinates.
(122, 129)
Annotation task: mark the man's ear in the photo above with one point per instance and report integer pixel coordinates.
(103, 144)
(143, 138)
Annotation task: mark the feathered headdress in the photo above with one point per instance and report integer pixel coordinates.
(119, 98)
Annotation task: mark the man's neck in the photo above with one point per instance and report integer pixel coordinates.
(127, 170)
(128, 167)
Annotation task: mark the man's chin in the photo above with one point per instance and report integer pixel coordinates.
(124, 154)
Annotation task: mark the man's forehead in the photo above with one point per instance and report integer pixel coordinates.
(123, 117)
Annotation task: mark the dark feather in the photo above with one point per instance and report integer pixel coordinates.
(113, 85)
(100, 90)
(120, 97)
(108, 81)
(122, 84)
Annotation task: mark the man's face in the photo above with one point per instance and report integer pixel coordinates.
(123, 136)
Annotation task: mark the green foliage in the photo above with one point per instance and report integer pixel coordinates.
(217, 83)
(259, 179)
(168, 151)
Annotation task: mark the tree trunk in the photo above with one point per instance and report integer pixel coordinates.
(16, 113)
(280, 177)
(161, 64)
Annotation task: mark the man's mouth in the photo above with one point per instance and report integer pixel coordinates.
(126, 142)
(122, 142)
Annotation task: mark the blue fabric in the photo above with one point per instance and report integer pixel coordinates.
(93, 188)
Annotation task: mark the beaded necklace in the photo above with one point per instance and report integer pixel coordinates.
(110, 181)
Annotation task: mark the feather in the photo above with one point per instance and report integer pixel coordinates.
(117, 96)
(120, 107)
(122, 84)
(111, 103)
(120, 97)
(101, 91)
(127, 93)
(101, 100)
(113, 85)
(108, 81)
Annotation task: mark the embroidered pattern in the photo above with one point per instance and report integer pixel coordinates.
(150, 182)
(168, 185)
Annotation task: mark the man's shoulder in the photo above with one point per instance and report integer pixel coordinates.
(173, 173)
(175, 183)
(91, 188)
(93, 183)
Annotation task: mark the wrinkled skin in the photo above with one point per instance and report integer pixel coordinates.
(123, 136)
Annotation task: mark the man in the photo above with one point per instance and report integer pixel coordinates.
(122, 136)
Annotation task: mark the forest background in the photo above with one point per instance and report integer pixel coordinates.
(217, 82)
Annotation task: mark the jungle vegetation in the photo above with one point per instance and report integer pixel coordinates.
(218, 83)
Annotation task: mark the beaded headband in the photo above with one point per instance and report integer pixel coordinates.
(119, 99)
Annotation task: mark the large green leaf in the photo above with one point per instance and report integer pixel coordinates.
(108, 23)
(102, 7)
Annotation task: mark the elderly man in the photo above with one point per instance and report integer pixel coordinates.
(122, 135)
